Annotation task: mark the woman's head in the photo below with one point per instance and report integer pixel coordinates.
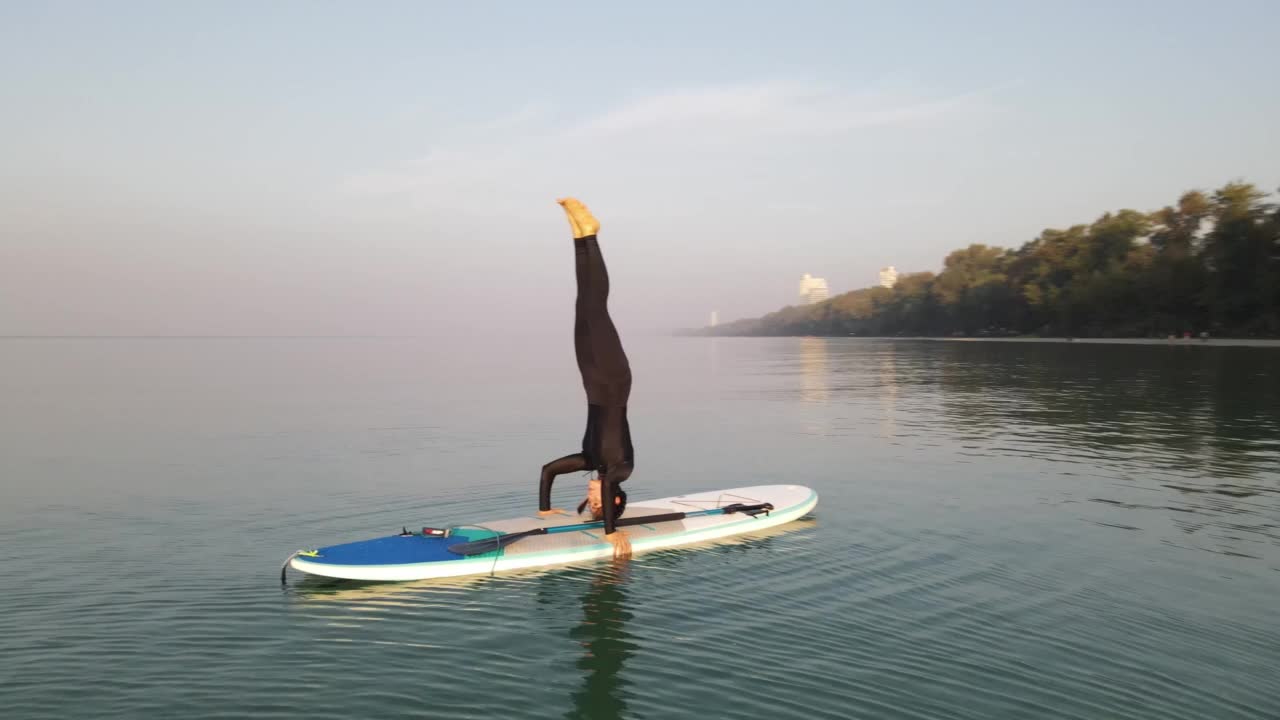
(595, 501)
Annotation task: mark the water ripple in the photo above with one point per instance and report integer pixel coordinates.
(1006, 531)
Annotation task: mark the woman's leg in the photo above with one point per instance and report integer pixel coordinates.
(606, 373)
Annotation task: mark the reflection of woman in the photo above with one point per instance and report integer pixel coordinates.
(606, 375)
(606, 647)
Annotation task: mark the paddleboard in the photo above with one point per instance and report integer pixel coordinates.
(423, 555)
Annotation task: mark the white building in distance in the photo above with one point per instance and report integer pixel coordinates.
(888, 277)
(813, 289)
(715, 318)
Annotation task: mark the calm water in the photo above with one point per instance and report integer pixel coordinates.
(1006, 530)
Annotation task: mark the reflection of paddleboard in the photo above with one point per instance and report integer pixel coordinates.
(417, 556)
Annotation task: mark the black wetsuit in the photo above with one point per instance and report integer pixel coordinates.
(606, 376)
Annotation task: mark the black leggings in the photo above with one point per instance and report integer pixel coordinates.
(606, 376)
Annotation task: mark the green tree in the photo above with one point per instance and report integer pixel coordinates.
(1238, 255)
(1177, 277)
(974, 290)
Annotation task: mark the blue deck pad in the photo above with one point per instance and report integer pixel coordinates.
(397, 550)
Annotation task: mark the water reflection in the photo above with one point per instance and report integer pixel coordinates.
(605, 644)
(814, 385)
(887, 376)
(602, 634)
(1192, 434)
(1216, 412)
(367, 594)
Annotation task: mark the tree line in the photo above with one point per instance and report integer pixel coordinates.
(1209, 263)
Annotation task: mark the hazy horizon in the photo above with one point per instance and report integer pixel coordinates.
(309, 170)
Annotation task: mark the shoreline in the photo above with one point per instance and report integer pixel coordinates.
(1176, 342)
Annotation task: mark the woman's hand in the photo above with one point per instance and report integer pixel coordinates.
(621, 544)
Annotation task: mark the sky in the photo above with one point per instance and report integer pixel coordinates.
(345, 168)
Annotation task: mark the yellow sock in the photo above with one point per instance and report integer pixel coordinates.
(581, 221)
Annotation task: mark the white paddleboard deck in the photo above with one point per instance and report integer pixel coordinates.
(418, 557)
